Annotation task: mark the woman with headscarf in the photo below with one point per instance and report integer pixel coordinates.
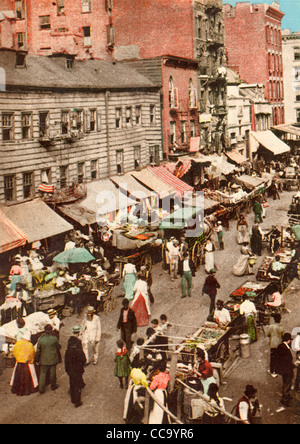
(141, 302)
(256, 240)
(209, 256)
(129, 276)
(242, 267)
(24, 379)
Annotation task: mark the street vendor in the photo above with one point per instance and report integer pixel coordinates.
(204, 370)
(277, 267)
(249, 311)
(222, 316)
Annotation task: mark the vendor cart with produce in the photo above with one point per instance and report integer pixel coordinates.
(188, 222)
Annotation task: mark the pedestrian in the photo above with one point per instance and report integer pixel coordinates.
(75, 361)
(243, 267)
(248, 310)
(129, 280)
(122, 364)
(159, 386)
(247, 406)
(256, 240)
(91, 335)
(24, 380)
(209, 256)
(127, 324)
(183, 248)
(54, 321)
(48, 357)
(275, 332)
(285, 368)
(275, 190)
(187, 274)
(243, 230)
(174, 253)
(135, 355)
(146, 272)
(169, 245)
(141, 302)
(75, 291)
(210, 287)
(258, 211)
(220, 233)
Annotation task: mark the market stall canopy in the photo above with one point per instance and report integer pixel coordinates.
(128, 183)
(271, 142)
(79, 214)
(180, 219)
(36, 220)
(236, 157)
(289, 129)
(219, 166)
(181, 187)
(151, 181)
(250, 182)
(10, 235)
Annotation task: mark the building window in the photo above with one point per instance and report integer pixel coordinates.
(154, 157)
(93, 120)
(63, 176)
(120, 162)
(26, 126)
(7, 126)
(65, 122)
(44, 123)
(183, 132)
(108, 5)
(193, 128)
(20, 10)
(192, 95)
(86, 5)
(80, 172)
(77, 121)
(69, 62)
(21, 39)
(298, 98)
(298, 115)
(138, 115)
(173, 132)
(87, 39)
(297, 53)
(173, 94)
(28, 185)
(199, 26)
(110, 35)
(118, 117)
(128, 116)
(45, 22)
(10, 188)
(61, 7)
(94, 169)
(152, 115)
(137, 157)
(46, 176)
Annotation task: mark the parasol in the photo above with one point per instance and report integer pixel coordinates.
(74, 256)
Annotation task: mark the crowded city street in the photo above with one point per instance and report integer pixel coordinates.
(103, 400)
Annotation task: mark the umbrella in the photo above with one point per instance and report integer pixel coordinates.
(74, 256)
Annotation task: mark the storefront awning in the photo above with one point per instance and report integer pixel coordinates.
(151, 181)
(10, 236)
(166, 176)
(128, 183)
(270, 142)
(236, 157)
(78, 214)
(250, 182)
(36, 220)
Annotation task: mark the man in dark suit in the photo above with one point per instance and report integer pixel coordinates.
(286, 368)
(48, 356)
(127, 324)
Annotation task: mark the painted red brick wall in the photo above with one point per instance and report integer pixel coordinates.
(71, 40)
(157, 27)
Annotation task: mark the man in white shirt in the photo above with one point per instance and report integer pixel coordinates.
(248, 308)
(222, 316)
(54, 321)
(91, 335)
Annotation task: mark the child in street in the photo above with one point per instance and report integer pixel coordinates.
(122, 364)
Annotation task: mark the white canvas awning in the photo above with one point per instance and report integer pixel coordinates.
(271, 142)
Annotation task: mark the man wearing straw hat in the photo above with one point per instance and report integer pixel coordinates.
(91, 335)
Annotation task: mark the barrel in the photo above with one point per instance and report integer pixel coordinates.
(245, 346)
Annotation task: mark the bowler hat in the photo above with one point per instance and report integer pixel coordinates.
(250, 390)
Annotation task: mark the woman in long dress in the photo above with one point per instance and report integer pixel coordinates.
(243, 230)
(209, 256)
(129, 276)
(141, 302)
(24, 379)
(242, 267)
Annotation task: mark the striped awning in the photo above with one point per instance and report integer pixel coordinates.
(166, 176)
(11, 237)
(46, 188)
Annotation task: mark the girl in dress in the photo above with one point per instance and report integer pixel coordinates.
(129, 276)
(122, 364)
(141, 302)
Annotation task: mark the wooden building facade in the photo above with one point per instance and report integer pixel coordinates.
(65, 122)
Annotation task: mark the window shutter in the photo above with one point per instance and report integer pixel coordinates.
(98, 120)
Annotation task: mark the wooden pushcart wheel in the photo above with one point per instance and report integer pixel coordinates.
(147, 261)
(197, 254)
(222, 353)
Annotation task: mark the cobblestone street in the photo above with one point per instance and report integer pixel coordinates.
(102, 397)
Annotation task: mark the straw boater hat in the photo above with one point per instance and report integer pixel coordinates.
(91, 310)
(52, 312)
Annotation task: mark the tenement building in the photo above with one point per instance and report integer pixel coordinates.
(291, 67)
(66, 123)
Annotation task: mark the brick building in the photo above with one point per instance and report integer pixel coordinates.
(254, 49)
(291, 67)
(140, 30)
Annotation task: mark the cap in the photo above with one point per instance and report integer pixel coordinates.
(91, 310)
(212, 271)
(76, 329)
(250, 390)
